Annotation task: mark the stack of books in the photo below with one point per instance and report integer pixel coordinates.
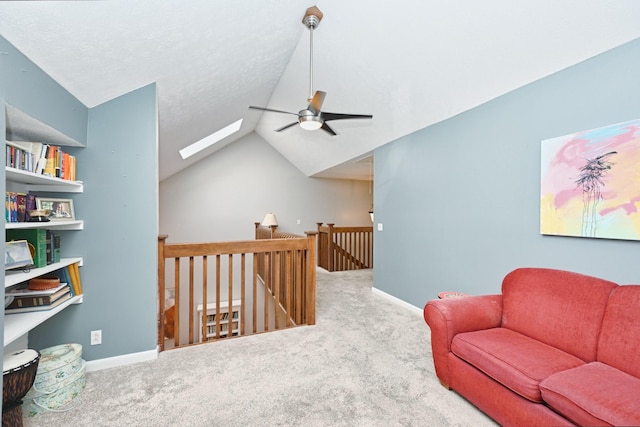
(26, 300)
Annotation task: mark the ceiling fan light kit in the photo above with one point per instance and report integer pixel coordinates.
(312, 118)
(309, 121)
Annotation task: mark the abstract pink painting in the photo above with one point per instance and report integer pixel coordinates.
(590, 183)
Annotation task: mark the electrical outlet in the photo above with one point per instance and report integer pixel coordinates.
(96, 337)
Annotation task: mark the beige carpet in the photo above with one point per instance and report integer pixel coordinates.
(367, 362)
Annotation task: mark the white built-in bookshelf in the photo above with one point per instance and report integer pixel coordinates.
(19, 324)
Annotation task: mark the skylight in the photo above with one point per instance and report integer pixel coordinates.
(208, 141)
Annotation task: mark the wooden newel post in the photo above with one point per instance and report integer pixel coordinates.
(311, 278)
(161, 241)
(320, 254)
(256, 230)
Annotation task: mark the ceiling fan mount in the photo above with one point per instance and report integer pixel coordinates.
(312, 117)
(312, 17)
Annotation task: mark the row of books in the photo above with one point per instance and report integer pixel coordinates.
(38, 300)
(46, 244)
(41, 159)
(18, 205)
(25, 300)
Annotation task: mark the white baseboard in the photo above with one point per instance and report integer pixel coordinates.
(398, 301)
(125, 359)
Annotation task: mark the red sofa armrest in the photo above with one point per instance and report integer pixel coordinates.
(449, 317)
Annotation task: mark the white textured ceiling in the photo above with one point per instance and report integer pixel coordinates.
(410, 63)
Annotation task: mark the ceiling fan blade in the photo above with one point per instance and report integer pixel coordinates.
(328, 129)
(252, 107)
(315, 103)
(286, 127)
(339, 116)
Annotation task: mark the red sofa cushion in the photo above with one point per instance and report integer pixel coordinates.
(594, 394)
(620, 335)
(559, 308)
(514, 360)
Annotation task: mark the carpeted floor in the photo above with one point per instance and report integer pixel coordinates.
(366, 362)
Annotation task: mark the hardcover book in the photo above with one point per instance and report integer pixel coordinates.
(30, 205)
(56, 248)
(21, 201)
(37, 300)
(56, 303)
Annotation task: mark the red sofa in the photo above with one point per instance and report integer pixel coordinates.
(555, 348)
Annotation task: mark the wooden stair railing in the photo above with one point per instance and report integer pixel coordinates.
(275, 282)
(281, 272)
(345, 248)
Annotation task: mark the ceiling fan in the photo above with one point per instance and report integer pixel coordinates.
(312, 117)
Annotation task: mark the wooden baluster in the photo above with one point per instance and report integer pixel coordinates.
(230, 297)
(191, 299)
(256, 262)
(243, 266)
(287, 287)
(276, 291)
(176, 287)
(267, 257)
(204, 314)
(218, 317)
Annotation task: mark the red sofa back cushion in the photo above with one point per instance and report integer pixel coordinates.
(559, 308)
(620, 335)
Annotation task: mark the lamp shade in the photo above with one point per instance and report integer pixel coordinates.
(269, 220)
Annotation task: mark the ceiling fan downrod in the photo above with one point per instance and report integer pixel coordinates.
(311, 20)
(312, 117)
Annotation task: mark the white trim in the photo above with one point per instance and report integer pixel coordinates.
(398, 301)
(125, 359)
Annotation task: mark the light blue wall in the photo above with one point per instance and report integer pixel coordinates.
(119, 206)
(31, 90)
(119, 241)
(459, 200)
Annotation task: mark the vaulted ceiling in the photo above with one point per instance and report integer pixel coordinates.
(410, 63)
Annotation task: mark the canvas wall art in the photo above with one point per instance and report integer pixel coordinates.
(590, 183)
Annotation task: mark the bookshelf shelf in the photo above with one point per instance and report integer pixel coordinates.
(35, 182)
(53, 225)
(12, 278)
(16, 325)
